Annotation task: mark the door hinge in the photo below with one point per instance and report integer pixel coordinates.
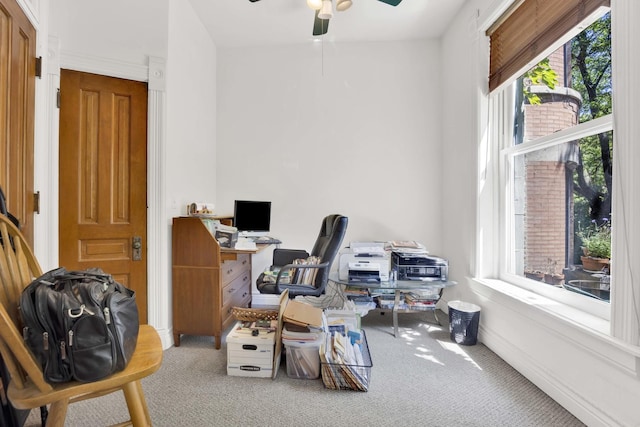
(58, 99)
(36, 202)
(39, 67)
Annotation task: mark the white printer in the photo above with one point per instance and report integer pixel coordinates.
(364, 262)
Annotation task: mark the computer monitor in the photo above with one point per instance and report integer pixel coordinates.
(252, 218)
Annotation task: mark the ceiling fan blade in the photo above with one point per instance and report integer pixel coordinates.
(320, 26)
(391, 2)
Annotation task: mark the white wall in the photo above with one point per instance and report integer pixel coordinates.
(119, 29)
(191, 111)
(350, 128)
(591, 374)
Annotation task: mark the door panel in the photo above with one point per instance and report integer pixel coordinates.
(103, 171)
(17, 106)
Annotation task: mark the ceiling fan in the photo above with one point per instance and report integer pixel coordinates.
(324, 11)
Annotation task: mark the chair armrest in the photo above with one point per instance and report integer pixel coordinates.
(287, 268)
(287, 256)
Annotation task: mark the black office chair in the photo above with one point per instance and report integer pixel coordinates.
(326, 248)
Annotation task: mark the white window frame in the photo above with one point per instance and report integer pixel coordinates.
(622, 316)
(507, 151)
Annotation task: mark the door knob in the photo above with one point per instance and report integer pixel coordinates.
(137, 248)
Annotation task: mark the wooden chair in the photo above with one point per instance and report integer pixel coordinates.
(28, 389)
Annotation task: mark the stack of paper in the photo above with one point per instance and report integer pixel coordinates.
(407, 246)
(343, 364)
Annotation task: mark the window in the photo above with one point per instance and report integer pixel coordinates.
(553, 132)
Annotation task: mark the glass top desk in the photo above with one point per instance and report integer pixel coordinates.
(396, 288)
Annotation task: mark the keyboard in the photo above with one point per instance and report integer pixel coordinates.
(266, 240)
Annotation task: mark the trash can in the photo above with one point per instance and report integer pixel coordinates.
(464, 318)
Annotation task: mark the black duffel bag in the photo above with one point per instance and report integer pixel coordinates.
(80, 325)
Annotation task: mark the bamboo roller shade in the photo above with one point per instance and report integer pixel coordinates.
(528, 28)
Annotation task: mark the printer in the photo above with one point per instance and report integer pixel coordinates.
(364, 272)
(364, 262)
(418, 266)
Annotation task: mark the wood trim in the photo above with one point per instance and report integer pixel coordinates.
(17, 108)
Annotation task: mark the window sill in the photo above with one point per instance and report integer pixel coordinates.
(583, 330)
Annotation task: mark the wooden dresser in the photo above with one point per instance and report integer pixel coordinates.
(207, 281)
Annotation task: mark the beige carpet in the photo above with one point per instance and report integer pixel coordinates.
(418, 379)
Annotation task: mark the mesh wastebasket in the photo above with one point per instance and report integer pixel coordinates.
(464, 318)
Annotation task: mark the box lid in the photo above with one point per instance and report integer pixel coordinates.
(240, 335)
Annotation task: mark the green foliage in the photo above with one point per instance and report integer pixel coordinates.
(539, 75)
(591, 68)
(591, 76)
(596, 239)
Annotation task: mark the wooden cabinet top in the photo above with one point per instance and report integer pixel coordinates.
(193, 244)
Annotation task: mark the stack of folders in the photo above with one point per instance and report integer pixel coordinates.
(422, 299)
(343, 363)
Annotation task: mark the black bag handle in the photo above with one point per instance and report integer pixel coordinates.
(3, 209)
(3, 203)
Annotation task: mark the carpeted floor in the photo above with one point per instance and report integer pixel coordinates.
(420, 378)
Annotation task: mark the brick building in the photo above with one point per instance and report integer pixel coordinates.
(546, 205)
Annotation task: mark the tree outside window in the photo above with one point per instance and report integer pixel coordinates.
(562, 190)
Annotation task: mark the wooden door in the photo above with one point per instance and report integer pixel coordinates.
(103, 170)
(17, 106)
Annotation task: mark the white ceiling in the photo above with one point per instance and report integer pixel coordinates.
(235, 23)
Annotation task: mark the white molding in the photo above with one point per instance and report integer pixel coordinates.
(104, 66)
(589, 332)
(47, 242)
(158, 226)
(584, 351)
(529, 367)
(31, 8)
(157, 74)
(492, 13)
(625, 300)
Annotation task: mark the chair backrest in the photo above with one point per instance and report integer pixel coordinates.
(327, 245)
(18, 268)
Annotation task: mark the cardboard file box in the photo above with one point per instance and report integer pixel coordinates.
(248, 355)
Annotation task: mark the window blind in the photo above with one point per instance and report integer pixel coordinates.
(528, 28)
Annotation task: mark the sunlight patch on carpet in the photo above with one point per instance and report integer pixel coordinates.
(457, 349)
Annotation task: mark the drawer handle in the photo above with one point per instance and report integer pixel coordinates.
(245, 278)
(249, 347)
(245, 294)
(229, 271)
(244, 262)
(231, 290)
